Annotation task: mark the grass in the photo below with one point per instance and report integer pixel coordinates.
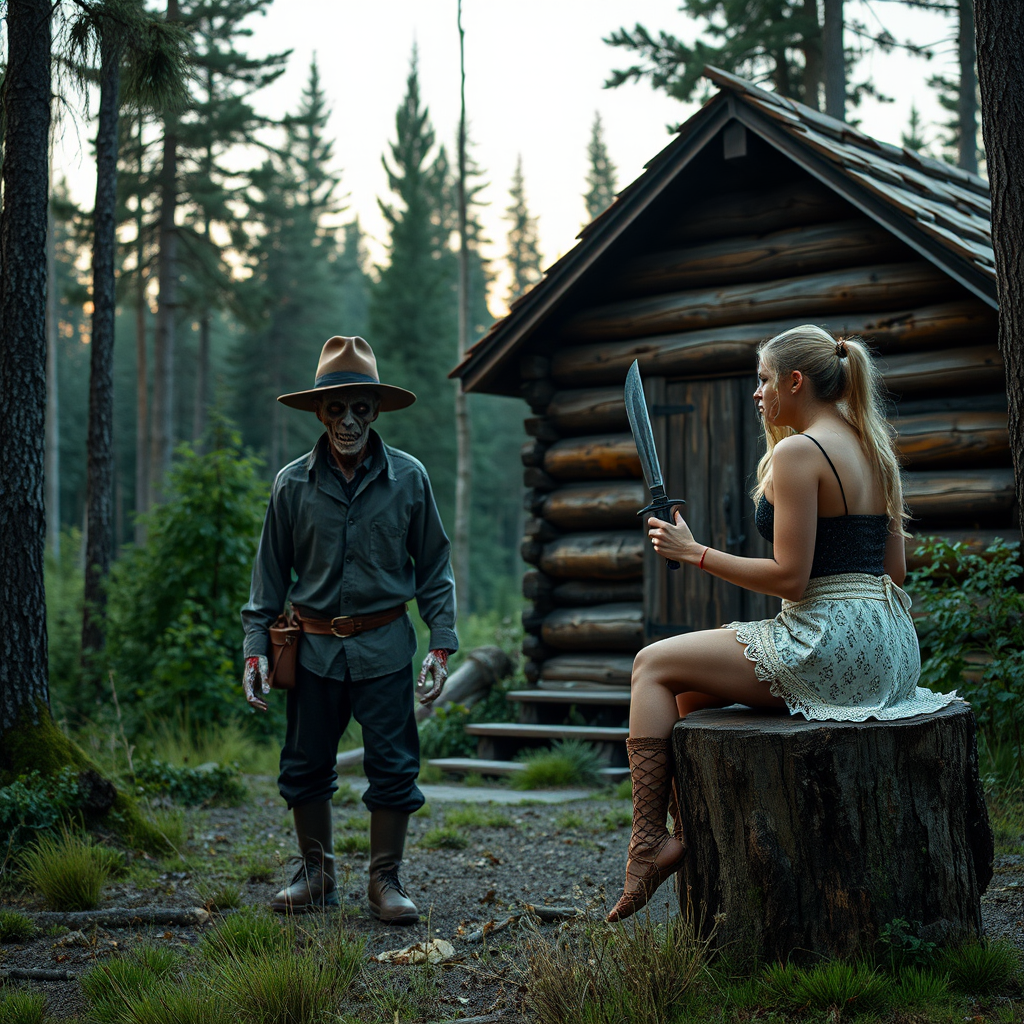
(570, 819)
(474, 816)
(168, 1002)
(980, 967)
(410, 996)
(616, 818)
(567, 763)
(624, 790)
(15, 927)
(221, 897)
(109, 986)
(180, 741)
(249, 932)
(443, 837)
(69, 870)
(354, 843)
(22, 1008)
(430, 775)
(345, 795)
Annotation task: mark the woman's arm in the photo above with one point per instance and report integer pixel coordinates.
(795, 481)
(896, 555)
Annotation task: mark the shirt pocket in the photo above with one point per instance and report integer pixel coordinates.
(387, 545)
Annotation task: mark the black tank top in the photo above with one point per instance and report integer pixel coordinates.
(843, 543)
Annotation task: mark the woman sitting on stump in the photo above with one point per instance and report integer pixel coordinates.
(843, 648)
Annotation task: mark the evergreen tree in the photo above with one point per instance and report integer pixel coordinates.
(601, 183)
(524, 258)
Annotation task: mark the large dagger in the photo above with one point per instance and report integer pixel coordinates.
(643, 436)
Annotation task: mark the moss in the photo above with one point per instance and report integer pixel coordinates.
(37, 743)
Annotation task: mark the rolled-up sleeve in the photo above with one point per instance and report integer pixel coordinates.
(435, 585)
(271, 575)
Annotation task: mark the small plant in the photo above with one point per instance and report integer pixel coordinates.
(624, 790)
(15, 927)
(192, 787)
(34, 802)
(22, 1008)
(250, 932)
(70, 870)
(424, 812)
(345, 795)
(171, 1002)
(111, 985)
(222, 897)
(443, 734)
(570, 819)
(842, 985)
(472, 816)
(259, 867)
(430, 775)
(444, 837)
(616, 818)
(353, 843)
(903, 945)
(568, 763)
(980, 967)
(914, 988)
(173, 826)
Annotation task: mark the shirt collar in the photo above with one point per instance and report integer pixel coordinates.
(378, 453)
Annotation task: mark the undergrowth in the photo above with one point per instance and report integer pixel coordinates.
(69, 870)
(568, 762)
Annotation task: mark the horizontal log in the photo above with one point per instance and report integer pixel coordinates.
(588, 411)
(810, 296)
(974, 542)
(955, 494)
(612, 555)
(609, 668)
(978, 368)
(994, 401)
(533, 618)
(537, 394)
(760, 211)
(535, 648)
(536, 479)
(779, 254)
(541, 428)
(531, 550)
(532, 453)
(953, 438)
(613, 627)
(536, 528)
(595, 506)
(547, 592)
(732, 348)
(589, 458)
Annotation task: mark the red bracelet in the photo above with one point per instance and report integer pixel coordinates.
(700, 564)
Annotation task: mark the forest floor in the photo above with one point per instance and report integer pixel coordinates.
(562, 854)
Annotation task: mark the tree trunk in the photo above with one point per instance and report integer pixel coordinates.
(967, 104)
(464, 451)
(26, 115)
(810, 837)
(100, 471)
(162, 432)
(52, 393)
(812, 55)
(202, 380)
(1000, 27)
(141, 368)
(835, 60)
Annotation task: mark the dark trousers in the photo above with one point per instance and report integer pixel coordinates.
(319, 711)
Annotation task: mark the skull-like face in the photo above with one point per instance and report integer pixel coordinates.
(347, 417)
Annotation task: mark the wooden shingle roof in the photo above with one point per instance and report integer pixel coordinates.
(939, 210)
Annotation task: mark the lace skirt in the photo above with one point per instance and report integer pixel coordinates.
(846, 651)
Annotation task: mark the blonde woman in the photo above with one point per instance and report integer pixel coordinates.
(843, 648)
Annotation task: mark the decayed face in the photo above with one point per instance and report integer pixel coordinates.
(347, 418)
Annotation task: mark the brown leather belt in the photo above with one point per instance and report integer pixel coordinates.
(348, 625)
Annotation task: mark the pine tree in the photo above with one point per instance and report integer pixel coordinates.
(913, 137)
(524, 258)
(601, 175)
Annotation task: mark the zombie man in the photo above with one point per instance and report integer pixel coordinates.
(354, 522)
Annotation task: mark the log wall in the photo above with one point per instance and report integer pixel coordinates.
(693, 312)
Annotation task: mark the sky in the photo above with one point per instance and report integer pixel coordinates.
(534, 79)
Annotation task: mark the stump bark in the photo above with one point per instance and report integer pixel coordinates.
(807, 838)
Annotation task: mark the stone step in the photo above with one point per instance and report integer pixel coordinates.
(465, 765)
(603, 697)
(515, 730)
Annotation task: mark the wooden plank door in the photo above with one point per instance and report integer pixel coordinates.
(708, 435)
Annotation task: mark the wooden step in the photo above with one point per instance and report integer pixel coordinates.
(514, 730)
(465, 765)
(606, 696)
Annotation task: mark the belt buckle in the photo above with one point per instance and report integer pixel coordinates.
(347, 628)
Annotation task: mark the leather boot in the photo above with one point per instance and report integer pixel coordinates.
(388, 900)
(654, 855)
(313, 886)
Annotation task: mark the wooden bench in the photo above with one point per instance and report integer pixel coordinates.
(807, 838)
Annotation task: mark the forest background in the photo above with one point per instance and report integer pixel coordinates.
(270, 259)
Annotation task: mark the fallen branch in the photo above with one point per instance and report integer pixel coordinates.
(545, 914)
(35, 974)
(123, 917)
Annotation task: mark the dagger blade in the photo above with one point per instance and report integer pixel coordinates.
(643, 433)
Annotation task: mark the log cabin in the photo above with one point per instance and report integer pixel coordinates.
(761, 214)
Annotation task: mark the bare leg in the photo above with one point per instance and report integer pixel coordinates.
(709, 663)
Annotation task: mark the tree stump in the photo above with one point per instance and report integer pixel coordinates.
(807, 838)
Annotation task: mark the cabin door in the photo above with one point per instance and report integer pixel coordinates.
(709, 438)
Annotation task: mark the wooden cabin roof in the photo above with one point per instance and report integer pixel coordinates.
(939, 210)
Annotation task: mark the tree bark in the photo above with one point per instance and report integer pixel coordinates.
(967, 105)
(1000, 27)
(52, 392)
(142, 452)
(26, 114)
(202, 380)
(162, 429)
(834, 60)
(815, 835)
(100, 452)
(812, 55)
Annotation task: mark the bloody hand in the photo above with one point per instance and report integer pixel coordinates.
(256, 679)
(436, 663)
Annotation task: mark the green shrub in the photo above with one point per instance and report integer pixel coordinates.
(972, 605)
(70, 870)
(112, 985)
(22, 1008)
(902, 945)
(248, 932)
(172, 1002)
(173, 638)
(33, 803)
(913, 988)
(190, 786)
(443, 734)
(981, 967)
(443, 837)
(15, 927)
(568, 763)
(839, 984)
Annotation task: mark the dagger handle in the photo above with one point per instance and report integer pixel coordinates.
(662, 508)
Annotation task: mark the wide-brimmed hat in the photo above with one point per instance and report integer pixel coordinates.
(348, 363)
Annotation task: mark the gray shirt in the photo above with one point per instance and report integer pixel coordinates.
(353, 557)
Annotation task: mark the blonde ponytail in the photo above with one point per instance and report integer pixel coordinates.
(842, 372)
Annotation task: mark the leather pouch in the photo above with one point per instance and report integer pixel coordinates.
(284, 651)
